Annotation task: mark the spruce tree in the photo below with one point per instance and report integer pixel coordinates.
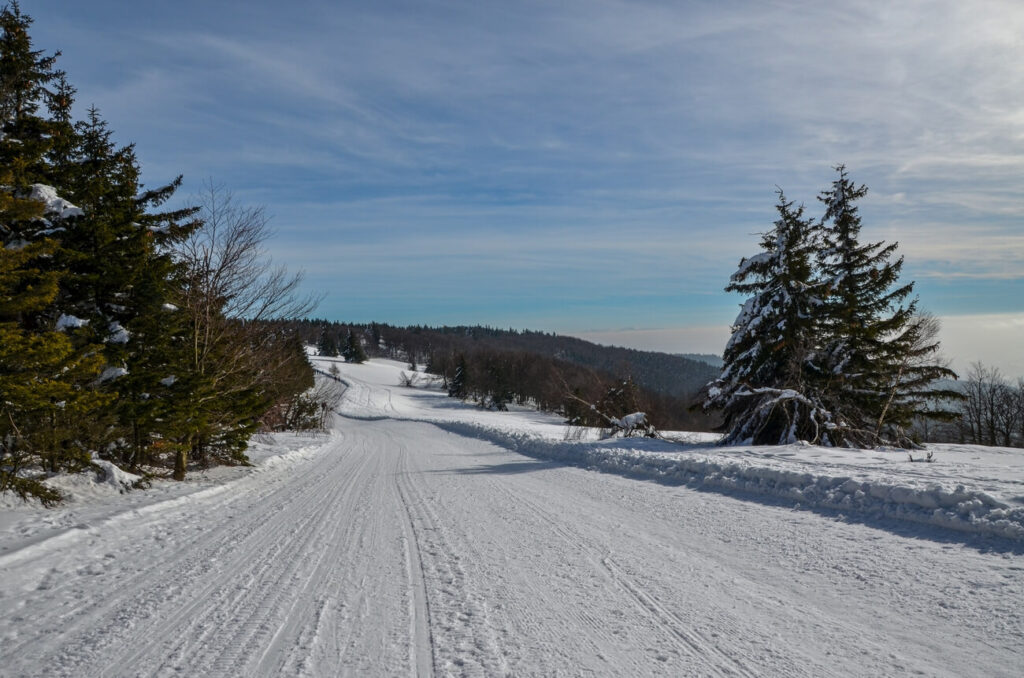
(353, 351)
(375, 338)
(74, 208)
(767, 390)
(495, 386)
(827, 348)
(874, 369)
(63, 137)
(119, 275)
(458, 386)
(327, 345)
(45, 378)
(44, 393)
(24, 76)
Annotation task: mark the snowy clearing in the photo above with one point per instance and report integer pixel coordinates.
(416, 540)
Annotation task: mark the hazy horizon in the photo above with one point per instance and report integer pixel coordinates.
(965, 340)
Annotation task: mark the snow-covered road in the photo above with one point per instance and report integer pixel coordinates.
(397, 548)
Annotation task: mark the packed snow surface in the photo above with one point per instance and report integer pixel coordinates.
(423, 536)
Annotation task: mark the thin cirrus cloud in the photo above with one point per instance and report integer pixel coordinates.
(521, 148)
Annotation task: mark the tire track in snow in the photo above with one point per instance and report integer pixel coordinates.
(714, 661)
(286, 571)
(463, 640)
(242, 591)
(546, 606)
(366, 553)
(696, 645)
(282, 537)
(422, 650)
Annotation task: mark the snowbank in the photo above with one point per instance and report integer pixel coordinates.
(101, 501)
(955, 507)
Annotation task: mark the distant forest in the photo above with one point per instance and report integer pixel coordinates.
(546, 370)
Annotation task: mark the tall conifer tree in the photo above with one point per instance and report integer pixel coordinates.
(120, 277)
(767, 390)
(827, 348)
(353, 351)
(458, 386)
(874, 365)
(44, 377)
(326, 344)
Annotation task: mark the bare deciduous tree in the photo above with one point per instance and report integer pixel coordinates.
(231, 294)
(993, 409)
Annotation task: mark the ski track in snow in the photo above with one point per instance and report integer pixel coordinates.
(400, 548)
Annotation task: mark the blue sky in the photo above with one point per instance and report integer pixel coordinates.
(590, 167)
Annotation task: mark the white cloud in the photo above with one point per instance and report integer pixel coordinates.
(994, 339)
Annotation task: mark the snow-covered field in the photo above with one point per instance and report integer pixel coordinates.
(426, 537)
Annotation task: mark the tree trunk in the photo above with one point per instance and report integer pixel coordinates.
(180, 462)
(136, 449)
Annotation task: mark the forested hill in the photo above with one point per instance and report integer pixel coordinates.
(660, 372)
(709, 358)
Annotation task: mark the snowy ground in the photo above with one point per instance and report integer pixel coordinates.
(416, 540)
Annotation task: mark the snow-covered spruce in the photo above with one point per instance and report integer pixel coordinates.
(825, 349)
(764, 391)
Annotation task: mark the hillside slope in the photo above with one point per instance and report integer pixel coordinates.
(673, 375)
